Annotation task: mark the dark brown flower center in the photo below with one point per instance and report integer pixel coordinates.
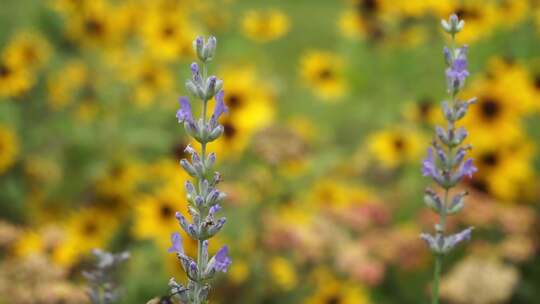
(234, 100)
(166, 211)
(490, 108)
(325, 74)
(94, 27)
(490, 159)
(537, 81)
(399, 144)
(367, 6)
(335, 299)
(467, 13)
(90, 228)
(229, 130)
(168, 31)
(4, 71)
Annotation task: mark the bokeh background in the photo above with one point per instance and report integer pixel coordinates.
(332, 106)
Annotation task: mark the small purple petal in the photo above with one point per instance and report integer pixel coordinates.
(219, 108)
(428, 166)
(184, 113)
(222, 259)
(468, 169)
(176, 241)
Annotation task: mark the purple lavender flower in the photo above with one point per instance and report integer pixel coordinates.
(184, 113)
(467, 168)
(195, 72)
(452, 168)
(176, 241)
(222, 261)
(429, 168)
(453, 240)
(219, 108)
(457, 72)
(214, 209)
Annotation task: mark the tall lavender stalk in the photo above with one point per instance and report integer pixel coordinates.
(450, 167)
(202, 195)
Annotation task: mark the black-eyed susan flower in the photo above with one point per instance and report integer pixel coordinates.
(495, 119)
(395, 146)
(423, 111)
(505, 170)
(511, 12)
(149, 79)
(9, 148)
(251, 108)
(87, 229)
(166, 34)
(323, 72)
(27, 50)
(14, 81)
(95, 25)
(518, 84)
(364, 19)
(155, 214)
(264, 26)
(64, 85)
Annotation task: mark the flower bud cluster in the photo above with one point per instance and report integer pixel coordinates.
(102, 288)
(446, 162)
(203, 197)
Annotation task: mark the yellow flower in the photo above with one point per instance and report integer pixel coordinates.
(239, 272)
(395, 146)
(14, 81)
(517, 86)
(27, 50)
(63, 85)
(155, 214)
(44, 240)
(250, 109)
(511, 12)
(150, 80)
(328, 289)
(283, 273)
(9, 148)
(120, 181)
(167, 35)
(424, 111)
(323, 73)
(506, 170)
(495, 117)
(86, 229)
(264, 26)
(95, 24)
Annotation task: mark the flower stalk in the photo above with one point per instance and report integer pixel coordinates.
(203, 197)
(449, 166)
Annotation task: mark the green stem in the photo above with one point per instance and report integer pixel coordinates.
(436, 278)
(200, 262)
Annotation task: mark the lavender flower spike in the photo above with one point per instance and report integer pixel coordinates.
(203, 197)
(451, 168)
